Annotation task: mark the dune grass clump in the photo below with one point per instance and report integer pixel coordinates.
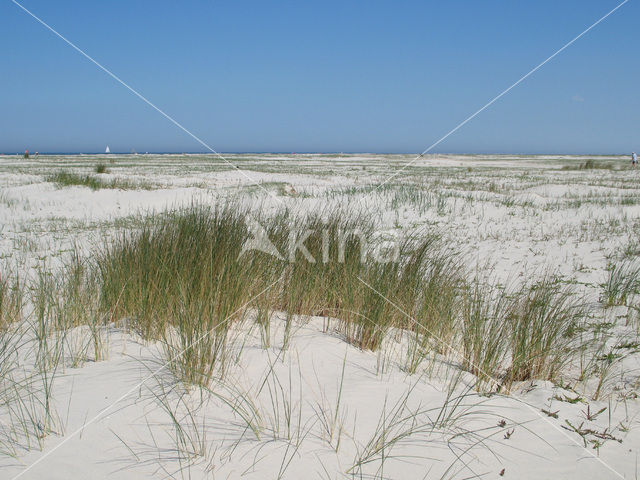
(590, 164)
(372, 284)
(175, 261)
(431, 283)
(323, 280)
(185, 277)
(69, 179)
(101, 168)
(484, 333)
(542, 322)
(429, 293)
(78, 306)
(11, 299)
(623, 281)
(181, 278)
(526, 334)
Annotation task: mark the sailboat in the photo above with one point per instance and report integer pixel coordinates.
(107, 150)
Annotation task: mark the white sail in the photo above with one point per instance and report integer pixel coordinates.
(107, 150)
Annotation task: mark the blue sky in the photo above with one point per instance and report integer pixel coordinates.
(352, 76)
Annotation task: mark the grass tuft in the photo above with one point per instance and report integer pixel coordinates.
(11, 299)
(542, 321)
(68, 179)
(623, 281)
(589, 165)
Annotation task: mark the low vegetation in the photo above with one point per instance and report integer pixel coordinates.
(543, 320)
(185, 279)
(623, 281)
(70, 179)
(589, 165)
(11, 299)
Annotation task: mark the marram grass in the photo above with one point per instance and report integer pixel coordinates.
(184, 279)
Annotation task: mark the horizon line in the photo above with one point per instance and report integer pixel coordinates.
(310, 152)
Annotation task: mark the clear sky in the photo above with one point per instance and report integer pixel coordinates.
(352, 76)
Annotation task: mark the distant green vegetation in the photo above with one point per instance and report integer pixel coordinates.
(590, 165)
(68, 179)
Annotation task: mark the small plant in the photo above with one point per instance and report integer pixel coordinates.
(549, 413)
(571, 400)
(591, 416)
(598, 437)
(101, 168)
(331, 419)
